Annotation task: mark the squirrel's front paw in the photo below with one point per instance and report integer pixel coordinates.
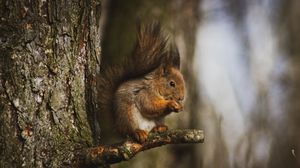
(160, 128)
(173, 106)
(140, 135)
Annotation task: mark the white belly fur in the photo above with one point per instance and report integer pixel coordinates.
(142, 122)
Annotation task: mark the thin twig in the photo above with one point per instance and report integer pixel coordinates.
(108, 154)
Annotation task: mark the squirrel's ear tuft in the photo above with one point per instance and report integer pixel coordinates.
(166, 70)
(162, 70)
(174, 55)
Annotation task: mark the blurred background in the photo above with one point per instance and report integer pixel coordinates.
(241, 61)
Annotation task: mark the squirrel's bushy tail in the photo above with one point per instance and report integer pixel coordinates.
(153, 48)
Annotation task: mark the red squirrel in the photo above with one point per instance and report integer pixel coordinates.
(146, 87)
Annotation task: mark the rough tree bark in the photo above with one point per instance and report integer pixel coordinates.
(48, 63)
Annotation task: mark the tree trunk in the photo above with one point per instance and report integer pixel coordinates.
(49, 57)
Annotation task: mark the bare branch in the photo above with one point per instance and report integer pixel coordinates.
(108, 154)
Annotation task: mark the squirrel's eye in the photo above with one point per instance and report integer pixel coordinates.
(172, 83)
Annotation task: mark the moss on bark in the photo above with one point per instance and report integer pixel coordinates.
(45, 72)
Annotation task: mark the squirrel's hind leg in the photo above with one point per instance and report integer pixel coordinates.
(140, 135)
(160, 128)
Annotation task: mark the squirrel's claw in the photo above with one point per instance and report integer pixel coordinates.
(140, 135)
(159, 128)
